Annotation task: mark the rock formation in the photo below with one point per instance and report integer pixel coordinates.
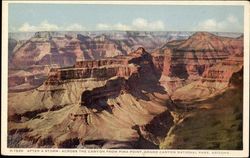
(63, 49)
(203, 58)
(124, 101)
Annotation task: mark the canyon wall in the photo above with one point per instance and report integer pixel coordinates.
(203, 57)
(204, 60)
(124, 101)
(64, 49)
(113, 100)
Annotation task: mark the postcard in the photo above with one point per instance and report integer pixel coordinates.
(125, 78)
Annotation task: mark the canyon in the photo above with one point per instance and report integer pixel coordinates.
(30, 52)
(108, 91)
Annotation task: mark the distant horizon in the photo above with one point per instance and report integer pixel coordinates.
(125, 31)
(20, 35)
(28, 17)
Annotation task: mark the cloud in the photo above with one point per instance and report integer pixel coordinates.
(136, 24)
(46, 26)
(43, 26)
(208, 24)
(75, 27)
(144, 24)
(230, 24)
(232, 19)
(103, 26)
(26, 27)
(140, 23)
(118, 26)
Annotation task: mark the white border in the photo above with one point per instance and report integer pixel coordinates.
(124, 152)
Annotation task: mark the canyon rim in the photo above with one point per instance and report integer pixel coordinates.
(126, 79)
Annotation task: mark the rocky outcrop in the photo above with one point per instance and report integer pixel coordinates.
(178, 63)
(222, 72)
(203, 56)
(97, 98)
(99, 73)
(22, 80)
(104, 62)
(119, 99)
(121, 66)
(45, 49)
(65, 48)
(57, 76)
(236, 79)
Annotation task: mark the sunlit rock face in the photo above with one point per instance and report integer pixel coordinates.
(131, 92)
(203, 57)
(64, 49)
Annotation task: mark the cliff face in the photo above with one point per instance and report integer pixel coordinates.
(64, 49)
(22, 80)
(184, 58)
(112, 97)
(137, 62)
(45, 49)
(194, 55)
(131, 95)
(202, 57)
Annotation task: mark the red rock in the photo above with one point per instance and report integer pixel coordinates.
(198, 56)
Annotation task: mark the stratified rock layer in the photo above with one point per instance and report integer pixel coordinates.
(203, 60)
(120, 101)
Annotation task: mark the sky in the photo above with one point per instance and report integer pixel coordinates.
(92, 17)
